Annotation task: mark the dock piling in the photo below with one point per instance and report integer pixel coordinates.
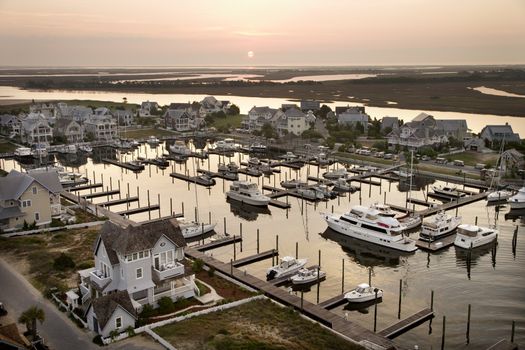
(171, 206)
(224, 225)
(375, 309)
(512, 331)
(443, 333)
(257, 241)
(240, 232)
(400, 297)
(432, 300)
(234, 249)
(297, 250)
(342, 276)
(468, 323)
(370, 276)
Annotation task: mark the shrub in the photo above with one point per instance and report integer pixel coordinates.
(63, 262)
(98, 340)
(197, 265)
(147, 311)
(211, 271)
(166, 305)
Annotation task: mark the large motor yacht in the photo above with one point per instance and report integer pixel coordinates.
(474, 236)
(247, 192)
(441, 225)
(180, 148)
(369, 225)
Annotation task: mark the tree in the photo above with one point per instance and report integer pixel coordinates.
(323, 111)
(29, 318)
(234, 110)
(268, 131)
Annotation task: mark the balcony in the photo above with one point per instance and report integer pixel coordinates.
(168, 271)
(98, 277)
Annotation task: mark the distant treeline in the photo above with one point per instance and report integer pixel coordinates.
(165, 84)
(462, 76)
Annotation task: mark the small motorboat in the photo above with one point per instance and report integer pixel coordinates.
(323, 189)
(294, 183)
(266, 169)
(192, 229)
(288, 266)
(309, 194)
(253, 171)
(448, 191)
(152, 140)
(383, 209)
(206, 180)
(410, 221)
(363, 293)
(335, 174)
(253, 161)
(518, 200)
(306, 276)
(85, 148)
(161, 162)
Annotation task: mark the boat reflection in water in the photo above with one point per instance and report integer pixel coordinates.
(72, 160)
(516, 214)
(365, 253)
(362, 307)
(463, 255)
(247, 211)
(201, 237)
(100, 153)
(418, 183)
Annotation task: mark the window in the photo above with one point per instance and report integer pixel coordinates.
(118, 322)
(26, 203)
(139, 273)
(37, 216)
(141, 255)
(34, 189)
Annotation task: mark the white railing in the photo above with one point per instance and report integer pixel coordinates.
(97, 277)
(176, 269)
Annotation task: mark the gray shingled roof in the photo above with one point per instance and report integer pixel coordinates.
(14, 184)
(294, 112)
(48, 179)
(451, 124)
(420, 117)
(10, 212)
(137, 238)
(106, 305)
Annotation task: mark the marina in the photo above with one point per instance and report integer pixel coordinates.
(299, 223)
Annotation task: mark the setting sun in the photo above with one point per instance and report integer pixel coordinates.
(250, 54)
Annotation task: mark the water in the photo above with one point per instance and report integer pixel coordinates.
(496, 92)
(475, 122)
(494, 287)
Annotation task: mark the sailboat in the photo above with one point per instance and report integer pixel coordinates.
(410, 221)
(503, 194)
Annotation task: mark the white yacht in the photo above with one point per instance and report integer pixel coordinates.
(499, 196)
(288, 156)
(383, 209)
(192, 229)
(441, 225)
(335, 174)
(257, 147)
(288, 265)
(23, 152)
(410, 221)
(306, 276)
(247, 192)
(474, 236)
(179, 147)
(362, 293)
(518, 200)
(448, 191)
(368, 225)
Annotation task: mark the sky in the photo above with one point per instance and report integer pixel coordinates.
(261, 32)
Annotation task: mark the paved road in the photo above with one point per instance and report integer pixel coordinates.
(58, 331)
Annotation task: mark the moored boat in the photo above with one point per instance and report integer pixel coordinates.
(367, 224)
(362, 293)
(294, 183)
(448, 191)
(180, 148)
(518, 200)
(287, 266)
(335, 174)
(247, 192)
(306, 276)
(192, 229)
(474, 236)
(383, 209)
(441, 225)
(499, 196)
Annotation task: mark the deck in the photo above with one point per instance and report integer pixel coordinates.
(85, 187)
(139, 210)
(407, 323)
(100, 194)
(119, 201)
(219, 243)
(255, 258)
(453, 204)
(333, 302)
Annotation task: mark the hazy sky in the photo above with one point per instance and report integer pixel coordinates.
(278, 32)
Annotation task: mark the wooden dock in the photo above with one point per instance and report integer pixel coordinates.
(125, 165)
(436, 245)
(194, 179)
(453, 204)
(139, 210)
(334, 302)
(346, 328)
(219, 243)
(255, 258)
(100, 194)
(119, 201)
(504, 344)
(407, 323)
(85, 187)
(419, 202)
(400, 209)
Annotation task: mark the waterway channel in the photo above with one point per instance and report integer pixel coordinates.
(494, 285)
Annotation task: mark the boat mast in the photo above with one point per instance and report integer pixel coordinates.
(411, 174)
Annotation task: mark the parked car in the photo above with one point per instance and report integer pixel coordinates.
(425, 158)
(459, 162)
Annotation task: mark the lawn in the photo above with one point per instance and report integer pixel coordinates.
(473, 158)
(228, 122)
(6, 146)
(259, 324)
(145, 133)
(363, 158)
(34, 256)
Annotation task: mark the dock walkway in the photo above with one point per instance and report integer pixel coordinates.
(346, 328)
(453, 204)
(407, 323)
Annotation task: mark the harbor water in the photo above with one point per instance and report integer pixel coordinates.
(494, 284)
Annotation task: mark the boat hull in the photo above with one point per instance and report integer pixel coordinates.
(517, 205)
(247, 200)
(365, 235)
(465, 242)
(362, 298)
